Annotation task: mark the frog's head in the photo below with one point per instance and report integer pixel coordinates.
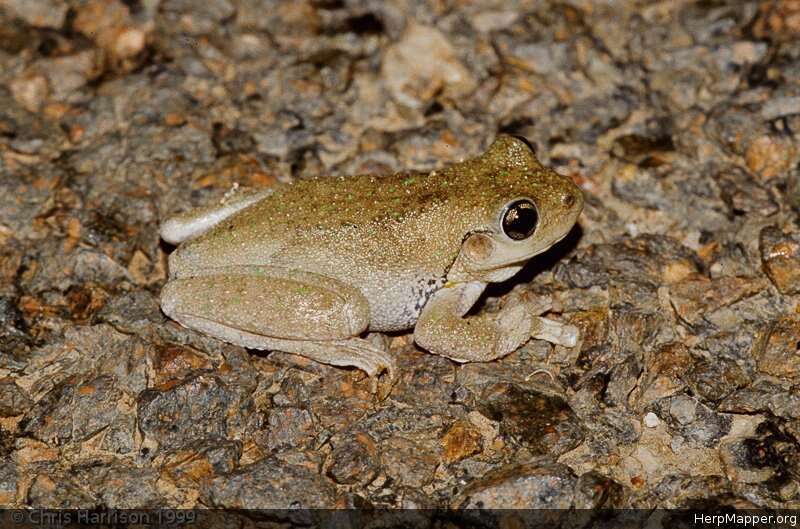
(527, 208)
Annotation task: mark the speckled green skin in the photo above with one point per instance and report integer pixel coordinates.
(395, 240)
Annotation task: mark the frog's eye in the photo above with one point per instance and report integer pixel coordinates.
(520, 219)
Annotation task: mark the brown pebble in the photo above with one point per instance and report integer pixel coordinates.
(780, 257)
(769, 156)
(460, 441)
(173, 119)
(780, 355)
(30, 91)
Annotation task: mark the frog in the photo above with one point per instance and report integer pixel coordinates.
(322, 266)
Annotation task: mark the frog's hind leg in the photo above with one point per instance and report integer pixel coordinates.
(272, 308)
(352, 352)
(193, 223)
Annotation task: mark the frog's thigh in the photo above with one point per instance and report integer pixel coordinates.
(238, 303)
(442, 328)
(196, 222)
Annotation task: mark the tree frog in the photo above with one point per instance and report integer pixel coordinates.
(312, 266)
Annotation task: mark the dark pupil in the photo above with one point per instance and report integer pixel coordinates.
(520, 220)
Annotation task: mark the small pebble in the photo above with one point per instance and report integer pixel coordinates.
(651, 420)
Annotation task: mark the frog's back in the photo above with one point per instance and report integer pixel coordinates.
(333, 203)
(338, 226)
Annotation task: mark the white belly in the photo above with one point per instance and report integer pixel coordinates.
(396, 305)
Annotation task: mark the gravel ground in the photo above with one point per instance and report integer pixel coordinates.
(678, 119)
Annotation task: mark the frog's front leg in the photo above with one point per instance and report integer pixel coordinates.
(273, 308)
(443, 329)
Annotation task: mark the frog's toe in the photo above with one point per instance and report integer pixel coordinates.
(379, 365)
(391, 378)
(378, 339)
(353, 352)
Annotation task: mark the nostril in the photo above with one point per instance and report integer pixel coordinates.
(568, 200)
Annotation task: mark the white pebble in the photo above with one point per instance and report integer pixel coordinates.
(651, 420)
